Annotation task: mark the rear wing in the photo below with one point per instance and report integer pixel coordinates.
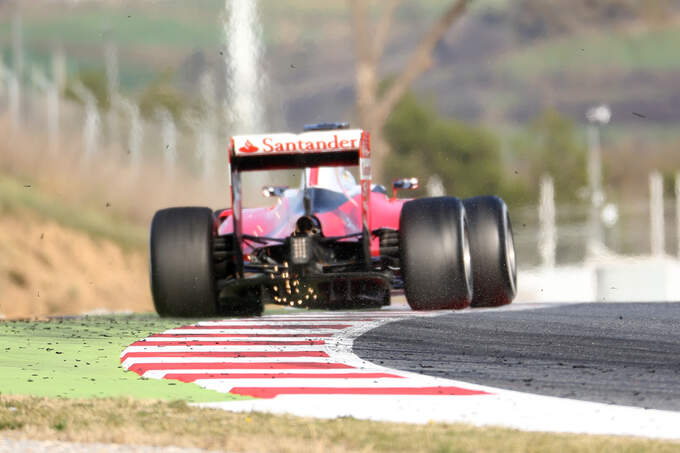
(308, 149)
(328, 148)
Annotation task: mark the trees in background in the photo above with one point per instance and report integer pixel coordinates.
(541, 18)
(551, 145)
(374, 106)
(467, 158)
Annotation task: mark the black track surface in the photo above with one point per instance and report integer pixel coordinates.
(625, 354)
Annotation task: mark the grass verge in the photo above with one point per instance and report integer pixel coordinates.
(129, 421)
(80, 358)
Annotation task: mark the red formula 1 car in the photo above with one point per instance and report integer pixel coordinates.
(330, 243)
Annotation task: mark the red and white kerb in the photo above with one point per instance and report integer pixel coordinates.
(279, 355)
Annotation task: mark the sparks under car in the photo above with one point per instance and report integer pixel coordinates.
(330, 243)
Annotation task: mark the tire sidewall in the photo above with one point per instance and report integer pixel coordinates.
(433, 254)
(181, 266)
(493, 254)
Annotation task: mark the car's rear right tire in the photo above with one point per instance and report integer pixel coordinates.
(494, 266)
(181, 262)
(435, 254)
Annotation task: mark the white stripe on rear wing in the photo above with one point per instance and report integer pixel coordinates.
(306, 142)
(308, 149)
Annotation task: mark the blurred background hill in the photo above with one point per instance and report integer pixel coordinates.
(501, 66)
(146, 103)
(505, 64)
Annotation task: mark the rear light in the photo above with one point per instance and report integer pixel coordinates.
(300, 249)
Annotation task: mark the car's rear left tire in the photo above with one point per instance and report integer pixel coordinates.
(181, 262)
(494, 266)
(435, 254)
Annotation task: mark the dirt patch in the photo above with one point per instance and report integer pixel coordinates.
(47, 269)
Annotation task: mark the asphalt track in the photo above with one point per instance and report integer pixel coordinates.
(618, 353)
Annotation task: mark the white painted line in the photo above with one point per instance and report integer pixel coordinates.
(272, 339)
(127, 363)
(249, 331)
(160, 374)
(283, 382)
(310, 383)
(222, 348)
(272, 322)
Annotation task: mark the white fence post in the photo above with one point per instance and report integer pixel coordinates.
(595, 241)
(657, 235)
(17, 69)
(51, 106)
(92, 126)
(56, 91)
(3, 77)
(547, 237)
(245, 77)
(136, 137)
(677, 211)
(13, 101)
(597, 116)
(112, 88)
(17, 42)
(59, 69)
(168, 141)
(208, 127)
(53, 118)
(435, 186)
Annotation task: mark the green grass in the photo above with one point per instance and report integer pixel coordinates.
(80, 358)
(17, 196)
(653, 50)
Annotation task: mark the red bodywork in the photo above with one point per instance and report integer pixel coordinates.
(279, 221)
(360, 210)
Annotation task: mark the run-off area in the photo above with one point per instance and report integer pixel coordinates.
(404, 371)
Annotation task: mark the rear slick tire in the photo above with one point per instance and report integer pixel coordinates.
(494, 267)
(181, 262)
(435, 254)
